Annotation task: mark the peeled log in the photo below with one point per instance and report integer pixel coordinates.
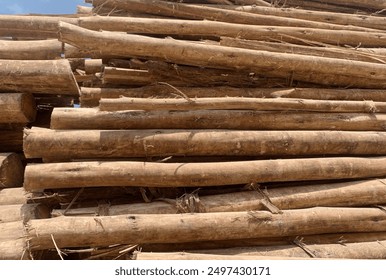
(337, 238)
(14, 250)
(31, 50)
(31, 26)
(359, 54)
(366, 4)
(363, 250)
(87, 144)
(11, 171)
(17, 108)
(208, 28)
(38, 76)
(13, 196)
(304, 68)
(240, 103)
(154, 174)
(181, 10)
(369, 21)
(161, 228)
(356, 193)
(90, 118)
(93, 95)
(22, 212)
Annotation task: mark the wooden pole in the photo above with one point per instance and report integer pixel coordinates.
(319, 6)
(240, 103)
(13, 196)
(276, 65)
(122, 76)
(367, 4)
(38, 76)
(161, 228)
(90, 118)
(181, 10)
(354, 193)
(40, 27)
(332, 238)
(11, 170)
(17, 108)
(22, 212)
(93, 66)
(14, 250)
(267, 32)
(369, 21)
(205, 174)
(359, 54)
(363, 250)
(31, 50)
(93, 95)
(88, 144)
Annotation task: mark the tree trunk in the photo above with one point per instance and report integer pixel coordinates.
(13, 196)
(355, 193)
(14, 250)
(276, 65)
(89, 118)
(38, 76)
(127, 77)
(22, 212)
(369, 21)
(359, 54)
(311, 5)
(363, 250)
(17, 108)
(88, 144)
(93, 95)
(40, 27)
(31, 50)
(343, 35)
(93, 66)
(180, 10)
(367, 4)
(161, 228)
(11, 171)
(152, 174)
(337, 238)
(240, 103)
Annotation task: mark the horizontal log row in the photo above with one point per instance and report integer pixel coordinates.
(88, 144)
(21, 76)
(93, 95)
(355, 193)
(364, 250)
(237, 103)
(91, 118)
(204, 174)
(303, 68)
(161, 228)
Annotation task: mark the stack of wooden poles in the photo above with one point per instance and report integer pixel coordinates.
(223, 129)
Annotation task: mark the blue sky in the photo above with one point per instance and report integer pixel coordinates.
(40, 6)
